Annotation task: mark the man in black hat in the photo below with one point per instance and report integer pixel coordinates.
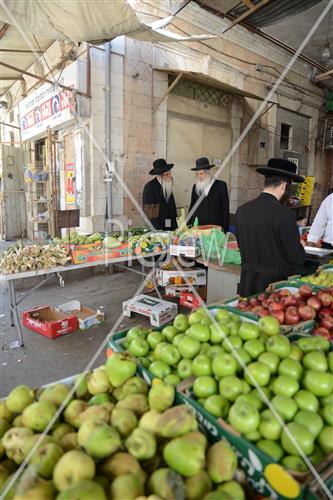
(157, 198)
(267, 232)
(214, 205)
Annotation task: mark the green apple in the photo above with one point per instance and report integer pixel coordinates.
(330, 361)
(248, 331)
(266, 391)
(291, 368)
(199, 332)
(154, 338)
(170, 355)
(305, 400)
(271, 449)
(214, 351)
(259, 372)
(234, 341)
(253, 436)
(172, 379)
(231, 387)
(317, 456)
(159, 369)
(178, 338)
(242, 358)
(184, 368)
(206, 321)
(244, 417)
(201, 365)
(223, 316)
(319, 383)
(278, 344)
(139, 347)
(189, 347)
(298, 435)
(196, 317)
(236, 318)
(218, 332)
(313, 422)
(134, 333)
(250, 398)
(224, 364)
(325, 439)
(315, 360)
(170, 332)
(246, 387)
(296, 353)
(254, 348)
(269, 426)
(181, 322)
(217, 405)
(294, 463)
(269, 326)
(271, 360)
(327, 413)
(204, 348)
(285, 406)
(234, 327)
(285, 386)
(159, 349)
(204, 386)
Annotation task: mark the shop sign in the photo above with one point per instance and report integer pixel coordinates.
(70, 184)
(50, 106)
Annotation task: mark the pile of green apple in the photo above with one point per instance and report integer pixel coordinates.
(115, 438)
(230, 359)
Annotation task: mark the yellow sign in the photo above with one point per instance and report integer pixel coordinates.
(281, 481)
(70, 185)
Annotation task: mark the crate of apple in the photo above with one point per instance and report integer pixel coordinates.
(294, 306)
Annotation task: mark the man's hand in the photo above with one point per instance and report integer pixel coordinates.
(312, 244)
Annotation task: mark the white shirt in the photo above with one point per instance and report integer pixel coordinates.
(322, 226)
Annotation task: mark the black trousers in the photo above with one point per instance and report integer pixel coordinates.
(327, 245)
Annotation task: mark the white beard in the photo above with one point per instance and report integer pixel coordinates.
(203, 186)
(167, 189)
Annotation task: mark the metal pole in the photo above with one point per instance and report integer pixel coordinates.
(108, 153)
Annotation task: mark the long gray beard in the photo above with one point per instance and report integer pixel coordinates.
(202, 186)
(167, 189)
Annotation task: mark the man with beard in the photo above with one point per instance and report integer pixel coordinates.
(267, 232)
(214, 205)
(157, 198)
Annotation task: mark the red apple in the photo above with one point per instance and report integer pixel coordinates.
(253, 301)
(284, 293)
(264, 312)
(262, 296)
(279, 315)
(290, 301)
(325, 311)
(275, 306)
(325, 298)
(292, 316)
(314, 302)
(322, 332)
(305, 291)
(327, 322)
(306, 313)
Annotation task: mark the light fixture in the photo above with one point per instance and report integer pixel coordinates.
(326, 52)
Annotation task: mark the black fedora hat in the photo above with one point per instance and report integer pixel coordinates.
(202, 164)
(160, 167)
(281, 168)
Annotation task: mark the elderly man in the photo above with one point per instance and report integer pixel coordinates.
(267, 233)
(157, 198)
(213, 207)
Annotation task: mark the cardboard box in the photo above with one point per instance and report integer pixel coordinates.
(159, 311)
(191, 300)
(49, 322)
(80, 256)
(86, 317)
(186, 250)
(189, 277)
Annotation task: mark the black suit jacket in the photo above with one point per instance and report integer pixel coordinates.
(214, 208)
(269, 243)
(153, 195)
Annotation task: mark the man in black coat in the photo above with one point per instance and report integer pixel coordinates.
(267, 232)
(213, 206)
(157, 198)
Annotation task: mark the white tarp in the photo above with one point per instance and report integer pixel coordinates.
(87, 20)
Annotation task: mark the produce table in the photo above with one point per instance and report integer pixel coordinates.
(222, 280)
(47, 274)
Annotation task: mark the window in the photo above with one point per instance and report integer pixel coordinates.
(285, 136)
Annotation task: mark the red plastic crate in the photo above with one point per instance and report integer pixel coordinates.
(49, 322)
